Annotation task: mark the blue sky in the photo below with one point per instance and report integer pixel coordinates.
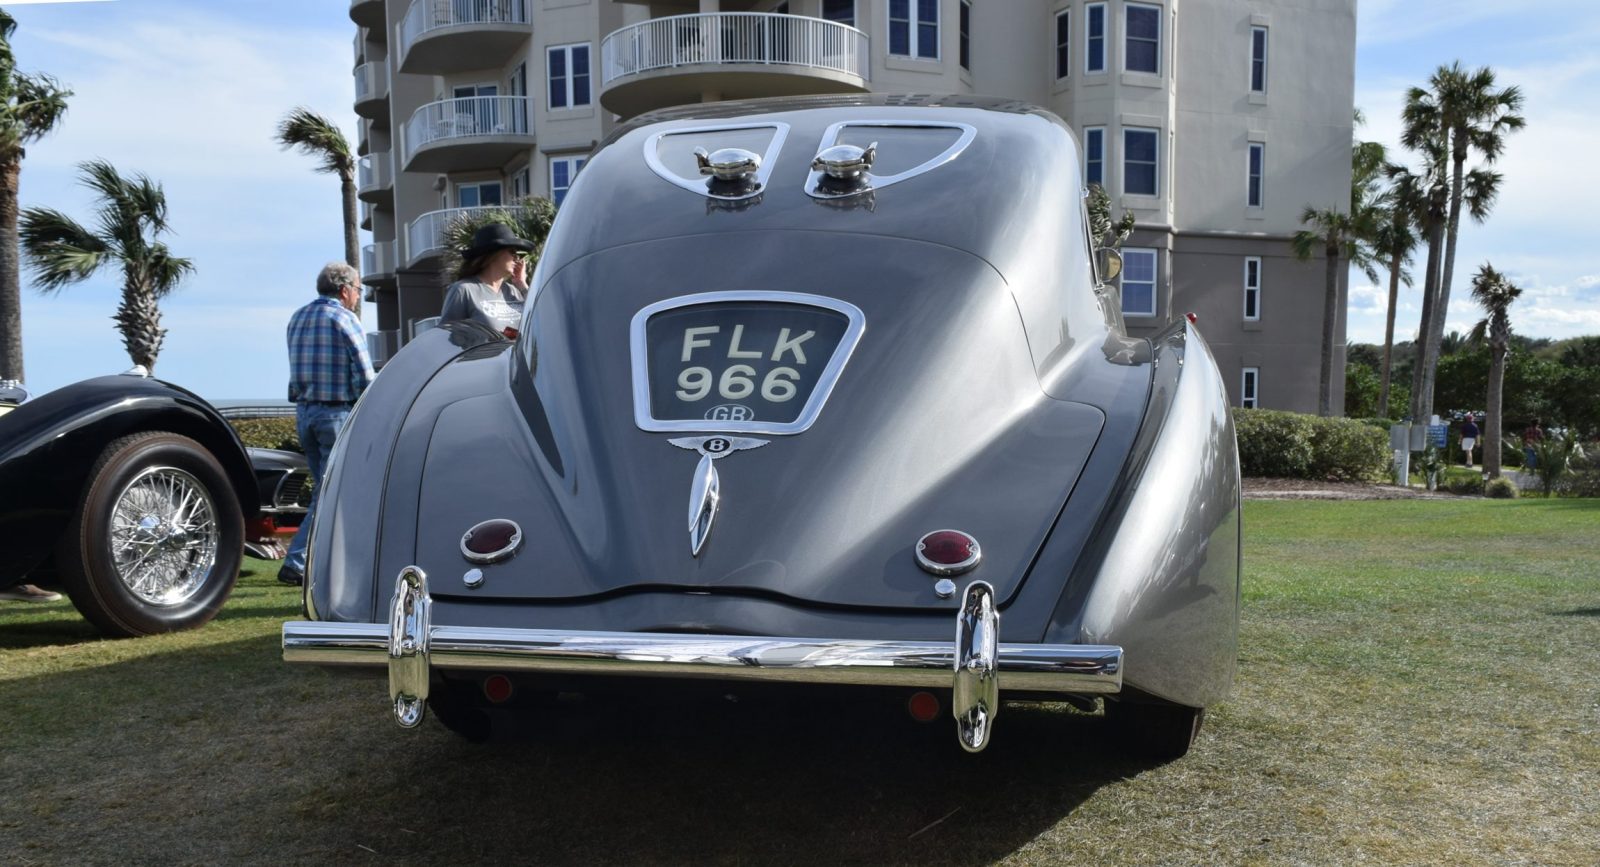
(189, 91)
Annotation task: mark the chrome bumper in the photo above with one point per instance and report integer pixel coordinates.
(410, 646)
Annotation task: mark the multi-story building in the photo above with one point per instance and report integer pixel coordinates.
(1215, 122)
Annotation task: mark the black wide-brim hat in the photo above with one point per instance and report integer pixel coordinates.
(494, 238)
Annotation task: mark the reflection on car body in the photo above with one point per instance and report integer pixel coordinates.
(927, 458)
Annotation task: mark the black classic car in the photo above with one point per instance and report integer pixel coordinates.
(137, 497)
(811, 391)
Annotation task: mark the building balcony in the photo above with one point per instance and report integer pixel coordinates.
(378, 264)
(734, 55)
(439, 37)
(425, 236)
(374, 179)
(367, 13)
(372, 91)
(467, 132)
(381, 346)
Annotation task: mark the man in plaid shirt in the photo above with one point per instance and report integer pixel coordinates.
(328, 370)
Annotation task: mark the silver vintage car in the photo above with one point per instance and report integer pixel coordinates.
(811, 391)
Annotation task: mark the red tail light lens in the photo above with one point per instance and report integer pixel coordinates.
(491, 541)
(948, 552)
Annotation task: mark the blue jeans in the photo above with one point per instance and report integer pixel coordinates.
(1530, 460)
(318, 425)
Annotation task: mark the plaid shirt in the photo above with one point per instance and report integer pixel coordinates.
(327, 354)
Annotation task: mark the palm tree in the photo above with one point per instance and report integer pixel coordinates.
(132, 215)
(1393, 242)
(1462, 112)
(30, 107)
(315, 135)
(1345, 234)
(529, 218)
(1494, 293)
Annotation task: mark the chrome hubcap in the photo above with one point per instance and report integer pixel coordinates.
(164, 536)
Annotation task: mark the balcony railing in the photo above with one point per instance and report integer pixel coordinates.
(425, 16)
(466, 117)
(425, 235)
(372, 82)
(372, 174)
(377, 259)
(734, 37)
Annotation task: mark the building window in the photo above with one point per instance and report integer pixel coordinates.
(1139, 161)
(1094, 40)
(478, 195)
(568, 72)
(1258, 59)
(1252, 289)
(1063, 41)
(519, 185)
(1094, 155)
(966, 35)
(1141, 29)
(1258, 157)
(914, 28)
(842, 11)
(1138, 282)
(563, 170)
(1248, 385)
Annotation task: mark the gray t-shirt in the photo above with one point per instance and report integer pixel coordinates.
(497, 309)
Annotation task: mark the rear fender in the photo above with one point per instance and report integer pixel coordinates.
(1161, 575)
(343, 555)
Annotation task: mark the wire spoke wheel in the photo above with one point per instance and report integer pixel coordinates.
(164, 535)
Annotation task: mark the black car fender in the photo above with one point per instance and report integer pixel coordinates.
(51, 443)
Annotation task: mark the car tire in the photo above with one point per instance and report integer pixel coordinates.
(1155, 731)
(156, 540)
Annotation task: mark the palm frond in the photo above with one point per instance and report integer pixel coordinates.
(1480, 189)
(314, 135)
(39, 104)
(58, 250)
(165, 271)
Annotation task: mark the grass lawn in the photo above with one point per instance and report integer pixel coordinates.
(1417, 684)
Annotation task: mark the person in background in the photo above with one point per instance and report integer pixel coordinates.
(1469, 438)
(328, 370)
(1531, 435)
(492, 285)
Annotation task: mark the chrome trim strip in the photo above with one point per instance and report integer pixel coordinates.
(819, 395)
(830, 137)
(1074, 669)
(705, 493)
(976, 700)
(769, 158)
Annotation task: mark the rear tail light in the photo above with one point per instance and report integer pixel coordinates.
(491, 541)
(948, 552)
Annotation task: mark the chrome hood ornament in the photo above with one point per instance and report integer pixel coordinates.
(705, 490)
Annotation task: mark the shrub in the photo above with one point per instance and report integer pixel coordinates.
(1348, 450)
(1472, 487)
(1299, 446)
(1500, 489)
(1273, 443)
(267, 433)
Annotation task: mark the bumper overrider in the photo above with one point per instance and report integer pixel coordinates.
(411, 646)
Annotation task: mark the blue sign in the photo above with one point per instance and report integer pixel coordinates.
(1436, 435)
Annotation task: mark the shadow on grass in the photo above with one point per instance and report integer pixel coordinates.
(317, 767)
(1579, 612)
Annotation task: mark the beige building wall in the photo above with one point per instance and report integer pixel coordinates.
(1199, 102)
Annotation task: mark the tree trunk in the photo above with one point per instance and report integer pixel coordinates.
(139, 319)
(10, 274)
(1441, 306)
(352, 242)
(1388, 335)
(1491, 422)
(1430, 286)
(1330, 312)
(1430, 366)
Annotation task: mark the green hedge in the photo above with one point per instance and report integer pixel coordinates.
(267, 433)
(1298, 446)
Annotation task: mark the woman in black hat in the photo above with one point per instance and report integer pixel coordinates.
(492, 285)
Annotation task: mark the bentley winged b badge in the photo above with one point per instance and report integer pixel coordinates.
(705, 491)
